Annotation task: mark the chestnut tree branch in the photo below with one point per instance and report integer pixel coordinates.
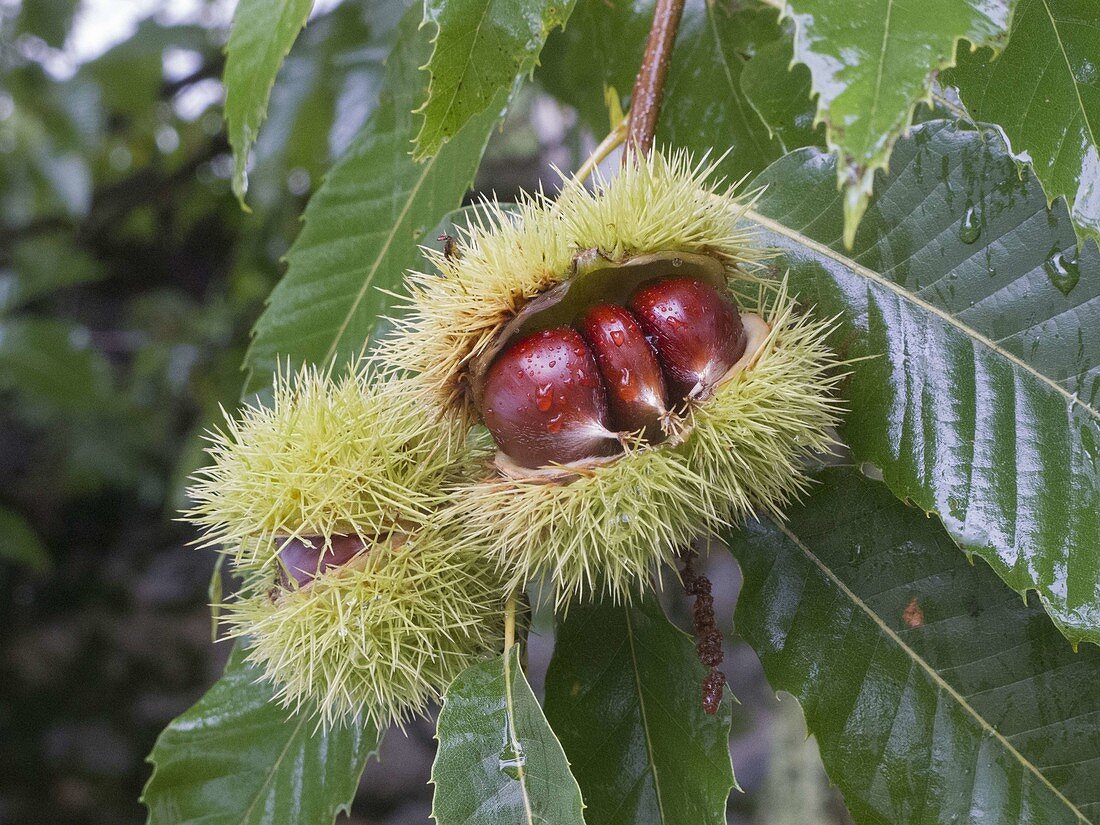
(649, 86)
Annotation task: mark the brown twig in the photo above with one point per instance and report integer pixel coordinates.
(649, 87)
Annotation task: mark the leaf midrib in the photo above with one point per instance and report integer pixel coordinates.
(274, 769)
(933, 674)
(510, 721)
(382, 253)
(644, 715)
(1069, 69)
(863, 271)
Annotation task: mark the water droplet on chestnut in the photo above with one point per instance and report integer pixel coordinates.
(635, 384)
(695, 328)
(575, 428)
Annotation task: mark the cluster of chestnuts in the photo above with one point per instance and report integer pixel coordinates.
(635, 404)
(569, 393)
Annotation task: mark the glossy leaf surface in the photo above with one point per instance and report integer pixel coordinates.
(780, 93)
(935, 695)
(481, 46)
(362, 227)
(498, 762)
(238, 757)
(871, 62)
(705, 109)
(1044, 91)
(623, 693)
(262, 34)
(981, 397)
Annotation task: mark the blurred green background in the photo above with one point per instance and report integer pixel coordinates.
(129, 279)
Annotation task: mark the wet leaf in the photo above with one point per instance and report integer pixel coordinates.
(979, 713)
(362, 226)
(238, 757)
(624, 695)
(262, 34)
(481, 47)
(779, 91)
(705, 109)
(980, 398)
(498, 761)
(872, 61)
(1044, 91)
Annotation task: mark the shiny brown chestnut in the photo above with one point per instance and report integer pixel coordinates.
(635, 383)
(304, 563)
(695, 328)
(544, 403)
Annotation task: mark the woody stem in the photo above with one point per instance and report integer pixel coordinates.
(649, 86)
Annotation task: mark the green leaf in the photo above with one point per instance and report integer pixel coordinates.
(363, 224)
(981, 399)
(19, 543)
(624, 695)
(1044, 91)
(935, 695)
(481, 47)
(498, 761)
(262, 34)
(780, 94)
(323, 94)
(704, 108)
(238, 757)
(872, 61)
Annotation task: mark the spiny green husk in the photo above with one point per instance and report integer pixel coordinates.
(505, 258)
(609, 528)
(377, 642)
(384, 634)
(330, 456)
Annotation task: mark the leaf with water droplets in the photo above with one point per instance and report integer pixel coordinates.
(981, 393)
(871, 62)
(480, 47)
(935, 694)
(1044, 91)
(498, 762)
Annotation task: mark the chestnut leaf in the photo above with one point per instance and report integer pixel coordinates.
(480, 48)
(263, 32)
(498, 762)
(362, 225)
(935, 695)
(1044, 91)
(974, 314)
(239, 757)
(624, 695)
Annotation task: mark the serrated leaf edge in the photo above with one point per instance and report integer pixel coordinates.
(241, 154)
(857, 194)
